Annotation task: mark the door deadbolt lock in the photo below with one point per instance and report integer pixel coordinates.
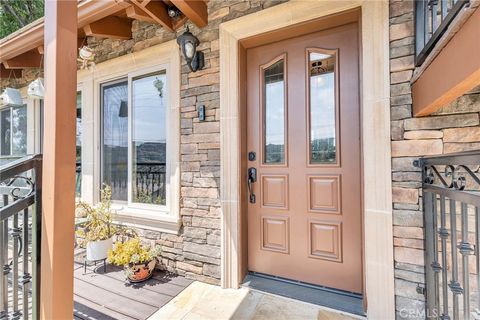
(252, 156)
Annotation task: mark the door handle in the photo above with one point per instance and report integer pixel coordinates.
(252, 177)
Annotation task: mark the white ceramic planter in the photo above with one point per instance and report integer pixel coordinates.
(98, 250)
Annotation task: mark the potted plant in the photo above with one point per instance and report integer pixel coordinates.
(139, 260)
(96, 233)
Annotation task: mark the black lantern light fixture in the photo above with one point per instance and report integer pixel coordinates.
(188, 42)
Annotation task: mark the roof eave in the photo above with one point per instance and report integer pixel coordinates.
(32, 35)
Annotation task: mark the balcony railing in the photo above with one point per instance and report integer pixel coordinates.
(451, 204)
(432, 18)
(20, 227)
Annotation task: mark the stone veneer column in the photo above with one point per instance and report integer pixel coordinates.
(453, 128)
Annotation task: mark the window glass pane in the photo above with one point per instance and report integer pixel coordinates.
(149, 139)
(274, 113)
(19, 130)
(115, 139)
(5, 132)
(322, 108)
(78, 175)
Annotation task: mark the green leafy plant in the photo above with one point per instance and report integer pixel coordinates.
(132, 252)
(98, 224)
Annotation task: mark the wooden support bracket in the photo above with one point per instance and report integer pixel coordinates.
(29, 59)
(110, 27)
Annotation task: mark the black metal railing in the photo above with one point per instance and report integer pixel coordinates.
(432, 18)
(451, 205)
(150, 182)
(20, 228)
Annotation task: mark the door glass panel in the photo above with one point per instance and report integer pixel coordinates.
(5, 132)
(115, 139)
(323, 143)
(274, 113)
(149, 145)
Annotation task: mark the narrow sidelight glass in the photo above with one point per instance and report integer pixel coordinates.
(274, 113)
(115, 139)
(323, 136)
(149, 143)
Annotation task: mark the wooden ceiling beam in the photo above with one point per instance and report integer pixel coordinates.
(9, 73)
(112, 27)
(143, 3)
(29, 59)
(134, 12)
(157, 10)
(194, 10)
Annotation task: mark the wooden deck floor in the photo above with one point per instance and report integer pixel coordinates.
(105, 295)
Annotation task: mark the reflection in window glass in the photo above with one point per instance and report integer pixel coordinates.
(5, 130)
(115, 139)
(19, 130)
(322, 108)
(13, 131)
(149, 146)
(78, 175)
(274, 113)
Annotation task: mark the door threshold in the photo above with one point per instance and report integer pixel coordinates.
(322, 296)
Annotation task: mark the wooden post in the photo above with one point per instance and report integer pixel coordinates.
(56, 293)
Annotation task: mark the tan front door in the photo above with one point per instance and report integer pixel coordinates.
(303, 139)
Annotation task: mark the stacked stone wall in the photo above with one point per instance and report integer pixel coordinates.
(453, 128)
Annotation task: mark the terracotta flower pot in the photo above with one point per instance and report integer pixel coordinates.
(140, 272)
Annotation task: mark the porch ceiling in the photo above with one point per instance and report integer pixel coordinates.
(103, 19)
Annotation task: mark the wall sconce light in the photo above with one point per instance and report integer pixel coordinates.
(188, 42)
(173, 12)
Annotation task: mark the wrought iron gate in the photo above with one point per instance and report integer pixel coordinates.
(451, 202)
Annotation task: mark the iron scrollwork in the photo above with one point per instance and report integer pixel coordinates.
(454, 177)
(18, 192)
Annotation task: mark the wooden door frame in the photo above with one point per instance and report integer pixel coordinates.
(300, 17)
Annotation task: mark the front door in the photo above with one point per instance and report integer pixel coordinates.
(303, 143)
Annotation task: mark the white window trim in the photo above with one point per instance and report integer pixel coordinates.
(164, 56)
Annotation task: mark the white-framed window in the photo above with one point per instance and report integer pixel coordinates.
(134, 129)
(13, 131)
(131, 136)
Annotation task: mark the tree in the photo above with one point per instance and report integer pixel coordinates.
(15, 14)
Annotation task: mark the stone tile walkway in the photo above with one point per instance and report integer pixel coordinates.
(203, 301)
